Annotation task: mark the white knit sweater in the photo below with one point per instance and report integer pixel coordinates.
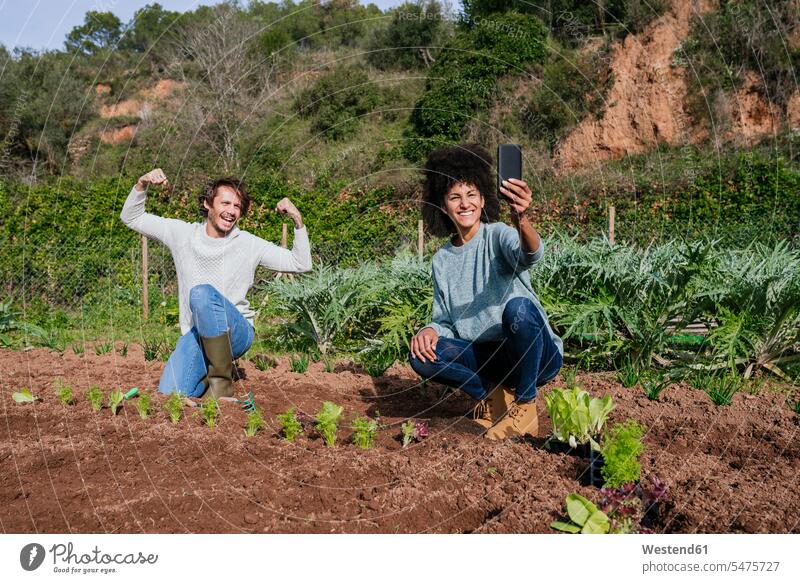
(229, 263)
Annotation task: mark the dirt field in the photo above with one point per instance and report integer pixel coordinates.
(70, 469)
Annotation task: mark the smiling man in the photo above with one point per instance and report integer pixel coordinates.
(215, 263)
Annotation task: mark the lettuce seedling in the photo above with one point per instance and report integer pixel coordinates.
(209, 412)
(586, 517)
(95, 397)
(290, 426)
(577, 417)
(364, 432)
(255, 423)
(174, 407)
(63, 392)
(622, 447)
(408, 432)
(65, 395)
(114, 400)
(143, 405)
(328, 422)
(24, 396)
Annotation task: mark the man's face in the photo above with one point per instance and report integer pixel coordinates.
(225, 210)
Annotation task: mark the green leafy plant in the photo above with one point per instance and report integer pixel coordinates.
(123, 350)
(570, 375)
(209, 412)
(364, 431)
(174, 407)
(795, 405)
(330, 365)
(103, 348)
(290, 425)
(152, 349)
(64, 393)
(407, 429)
(115, 399)
(78, 349)
(263, 362)
(654, 383)
(622, 446)
(722, 388)
(299, 363)
(255, 423)
(577, 417)
(413, 431)
(328, 422)
(143, 405)
(24, 395)
(585, 517)
(628, 374)
(95, 397)
(376, 363)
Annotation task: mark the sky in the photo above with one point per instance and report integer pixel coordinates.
(44, 24)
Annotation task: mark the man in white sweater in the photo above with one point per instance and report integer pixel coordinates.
(215, 263)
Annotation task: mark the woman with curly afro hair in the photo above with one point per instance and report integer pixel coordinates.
(489, 333)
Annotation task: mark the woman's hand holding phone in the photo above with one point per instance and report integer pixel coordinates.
(423, 344)
(518, 194)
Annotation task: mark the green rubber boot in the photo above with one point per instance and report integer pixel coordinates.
(219, 380)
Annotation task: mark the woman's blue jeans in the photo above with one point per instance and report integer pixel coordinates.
(526, 357)
(212, 315)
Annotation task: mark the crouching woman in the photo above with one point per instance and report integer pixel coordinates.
(489, 334)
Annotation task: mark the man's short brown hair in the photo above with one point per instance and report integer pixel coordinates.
(210, 191)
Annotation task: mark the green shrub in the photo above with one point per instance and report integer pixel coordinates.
(408, 41)
(622, 446)
(337, 100)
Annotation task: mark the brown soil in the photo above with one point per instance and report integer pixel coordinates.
(69, 469)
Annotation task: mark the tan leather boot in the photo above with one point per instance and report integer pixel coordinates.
(492, 408)
(219, 380)
(520, 420)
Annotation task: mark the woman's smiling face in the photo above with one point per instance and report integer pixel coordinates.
(463, 203)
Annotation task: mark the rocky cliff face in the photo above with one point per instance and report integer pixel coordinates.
(647, 104)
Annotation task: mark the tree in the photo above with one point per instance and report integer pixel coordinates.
(99, 31)
(150, 30)
(227, 79)
(410, 38)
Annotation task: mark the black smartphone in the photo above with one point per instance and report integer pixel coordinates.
(509, 164)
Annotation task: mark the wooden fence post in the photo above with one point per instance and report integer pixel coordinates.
(611, 219)
(284, 245)
(420, 239)
(145, 281)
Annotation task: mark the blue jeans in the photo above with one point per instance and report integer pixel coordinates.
(212, 315)
(525, 358)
